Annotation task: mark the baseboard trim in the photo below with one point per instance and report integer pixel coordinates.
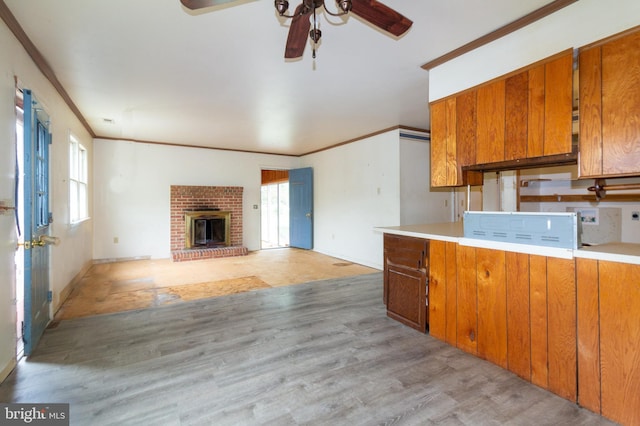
(119, 259)
(66, 291)
(8, 369)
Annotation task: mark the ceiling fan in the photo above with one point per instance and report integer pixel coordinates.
(304, 22)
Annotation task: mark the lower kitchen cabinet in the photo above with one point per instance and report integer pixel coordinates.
(609, 339)
(405, 280)
(571, 326)
(514, 310)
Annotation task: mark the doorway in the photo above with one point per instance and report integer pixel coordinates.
(274, 196)
(33, 220)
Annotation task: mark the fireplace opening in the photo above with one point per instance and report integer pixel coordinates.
(207, 229)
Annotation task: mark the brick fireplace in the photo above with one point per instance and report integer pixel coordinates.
(186, 200)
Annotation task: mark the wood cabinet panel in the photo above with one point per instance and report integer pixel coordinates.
(536, 100)
(453, 177)
(590, 89)
(621, 105)
(588, 334)
(437, 290)
(518, 318)
(442, 291)
(538, 298)
(467, 300)
(492, 306)
(620, 341)
(516, 104)
(561, 302)
(466, 122)
(558, 105)
(610, 107)
(453, 141)
(452, 293)
(440, 134)
(491, 122)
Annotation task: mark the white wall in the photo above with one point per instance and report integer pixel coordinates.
(132, 192)
(356, 188)
(419, 203)
(74, 252)
(579, 24)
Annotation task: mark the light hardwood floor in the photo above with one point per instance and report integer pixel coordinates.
(319, 353)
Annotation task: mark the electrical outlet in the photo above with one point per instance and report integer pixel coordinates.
(115, 240)
(635, 215)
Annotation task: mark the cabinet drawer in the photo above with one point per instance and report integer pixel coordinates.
(405, 251)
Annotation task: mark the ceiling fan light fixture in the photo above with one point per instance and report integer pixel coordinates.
(345, 5)
(281, 6)
(315, 34)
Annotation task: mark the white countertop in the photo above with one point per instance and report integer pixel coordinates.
(453, 232)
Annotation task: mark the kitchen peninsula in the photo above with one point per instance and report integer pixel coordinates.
(567, 320)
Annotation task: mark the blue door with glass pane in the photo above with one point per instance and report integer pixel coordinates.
(36, 217)
(301, 208)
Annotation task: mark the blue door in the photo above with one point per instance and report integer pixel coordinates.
(301, 208)
(36, 217)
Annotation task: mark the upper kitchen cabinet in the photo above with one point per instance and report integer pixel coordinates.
(523, 119)
(453, 128)
(609, 87)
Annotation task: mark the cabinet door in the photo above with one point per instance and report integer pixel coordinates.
(444, 168)
(406, 299)
(491, 122)
(535, 119)
(492, 306)
(467, 300)
(588, 331)
(620, 341)
(518, 317)
(610, 108)
(558, 105)
(539, 326)
(561, 302)
(453, 141)
(437, 289)
(517, 100)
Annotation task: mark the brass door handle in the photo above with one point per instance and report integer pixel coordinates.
(42, 241)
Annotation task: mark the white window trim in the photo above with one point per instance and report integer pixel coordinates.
(78, 179)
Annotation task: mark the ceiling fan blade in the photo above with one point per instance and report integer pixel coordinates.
(298, 33)
(201, 4)
(381, 16)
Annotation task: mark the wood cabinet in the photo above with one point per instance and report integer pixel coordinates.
(522, 116)
(453, 126)
(609, 338)
(515, 310)
(609, 88)
(405, 280)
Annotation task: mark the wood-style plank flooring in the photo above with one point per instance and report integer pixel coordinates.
(137, 284)
(320, 353)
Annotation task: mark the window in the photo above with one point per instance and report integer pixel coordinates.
(78, 182)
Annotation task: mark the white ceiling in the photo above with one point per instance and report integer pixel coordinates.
(217, 77)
